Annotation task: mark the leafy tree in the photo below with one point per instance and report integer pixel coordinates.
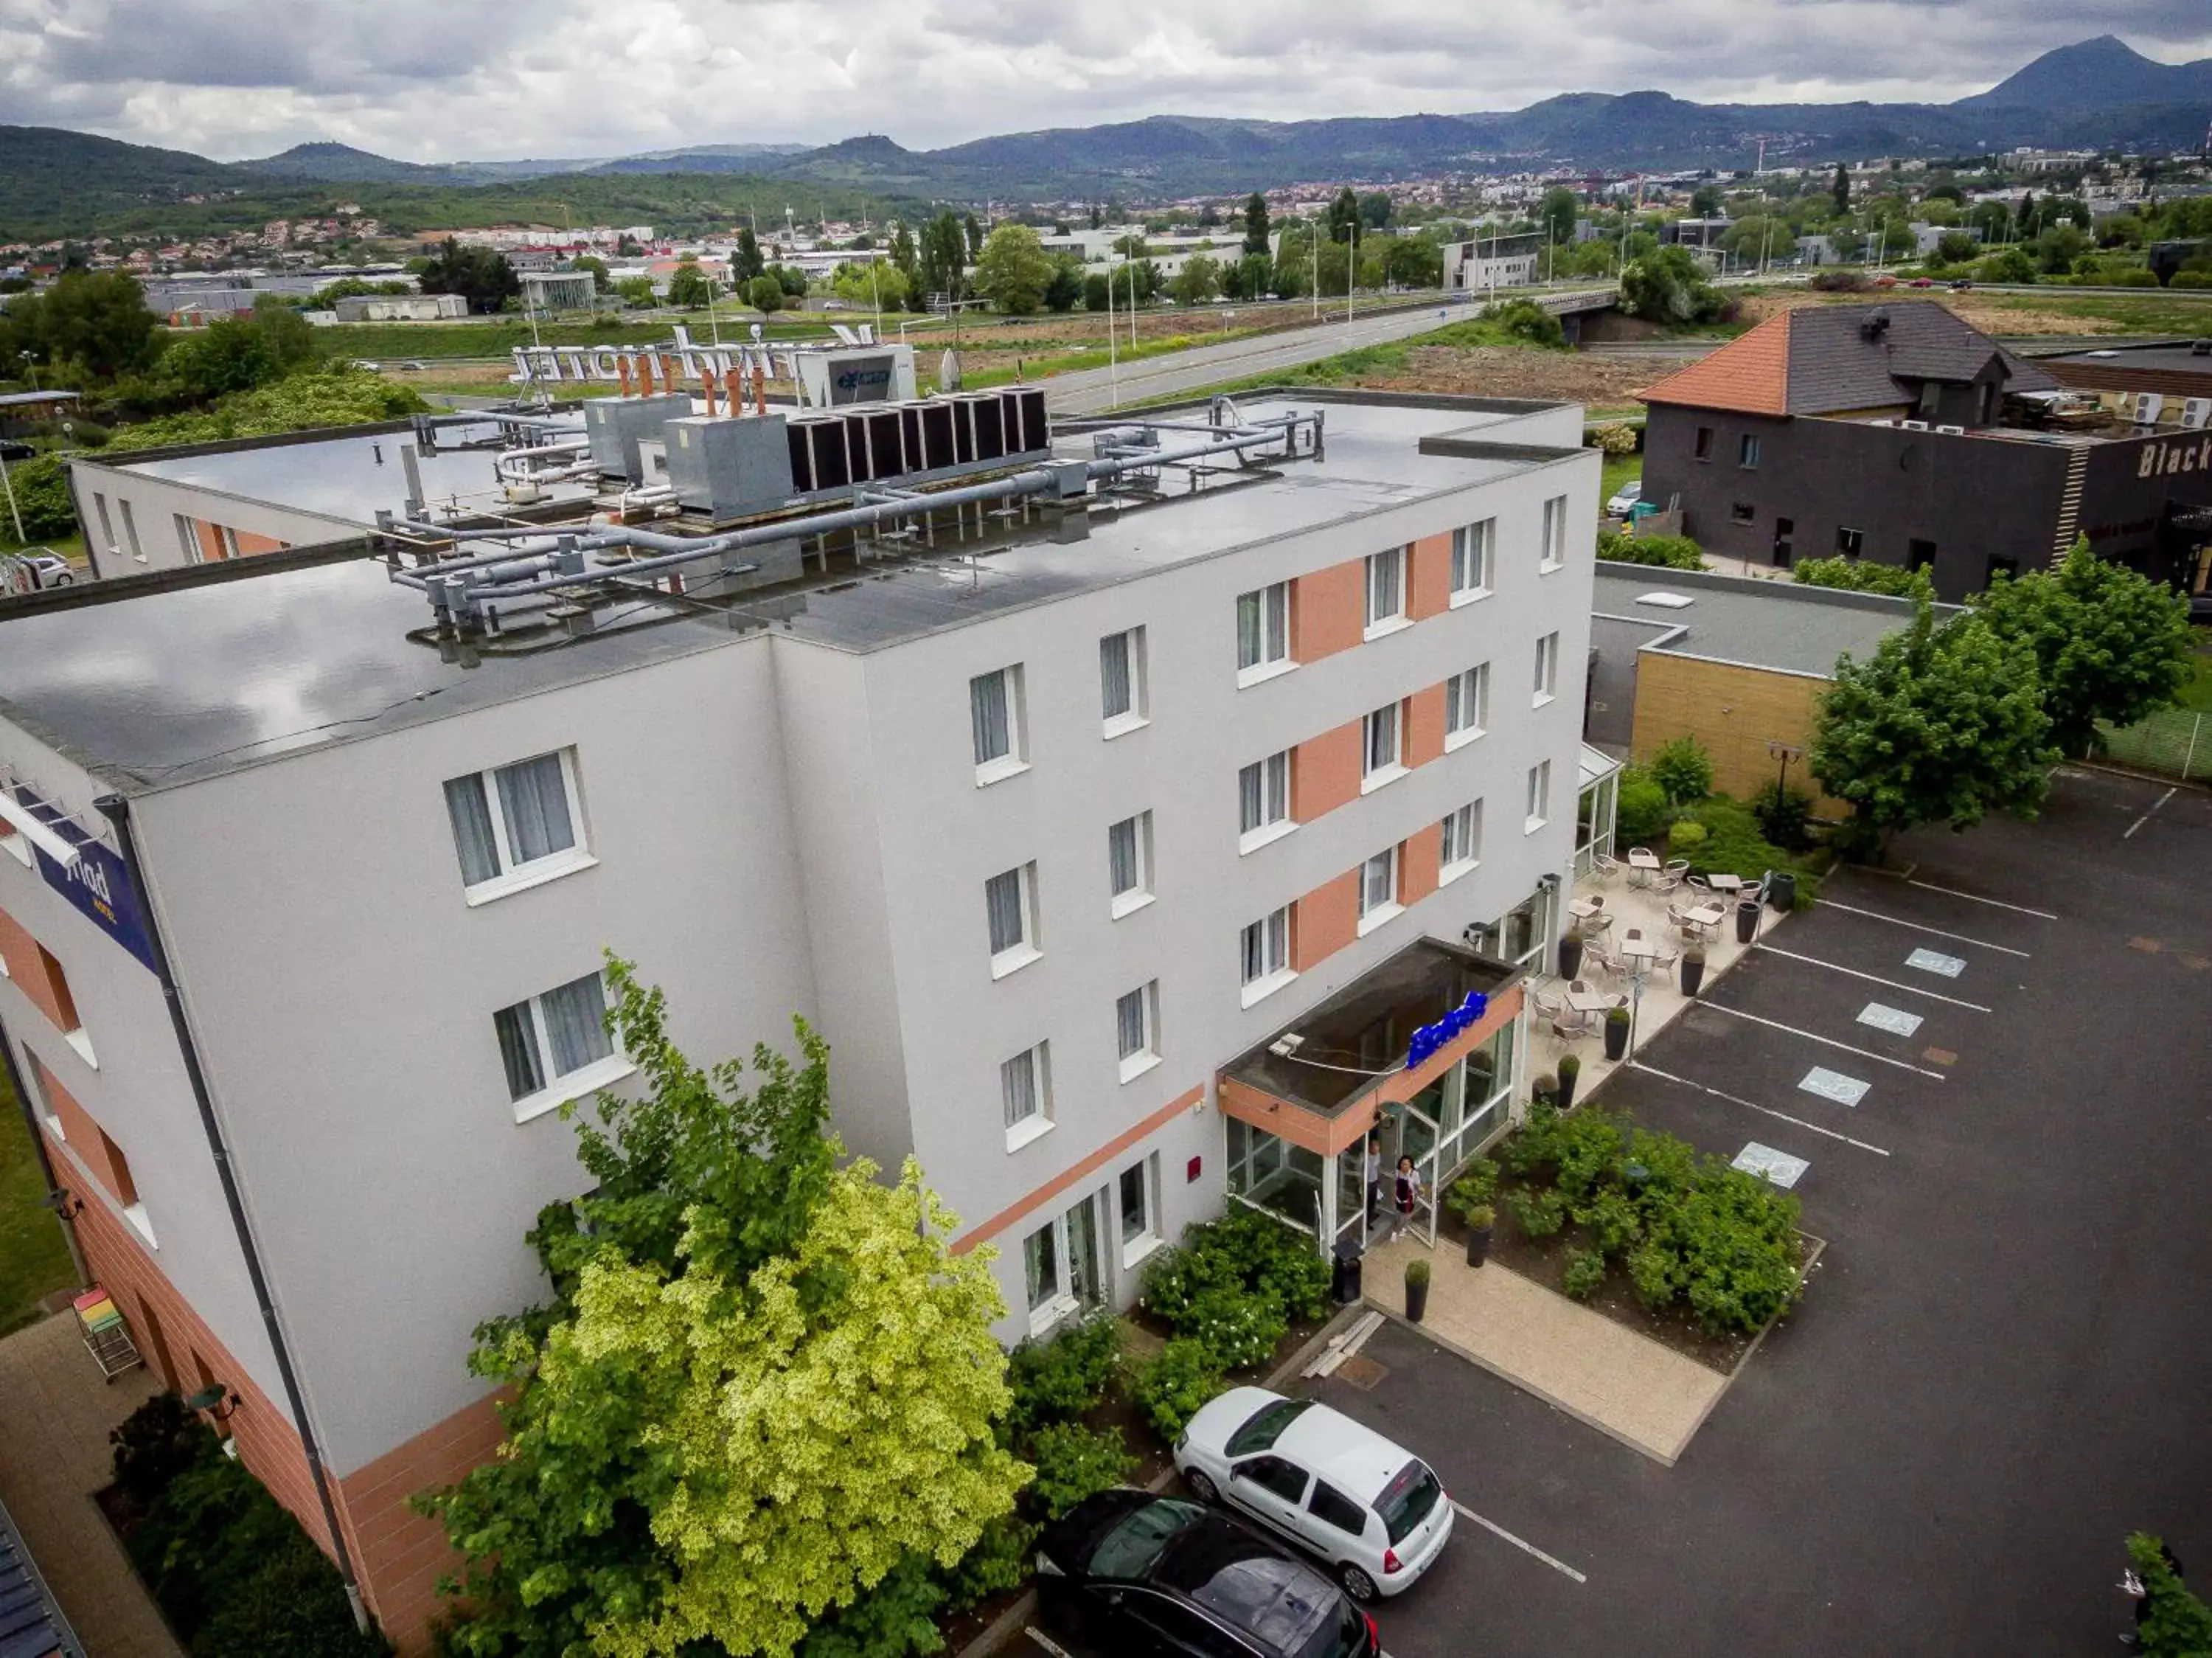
(1413, 262)
(871, 282)
(1945, 192)
(1096, 294)
(1705, 202)
(1377, 209)
(764, 293)
(91, 323)
(1343, 216)
(1758, 236)
(1197, 282)
(2175, 1624)
(1665, 285)
(747, 263)
(943, 256)
(1956, 247)
(1131, 246)
(1557, 214)
(1065, 291)
(1840, 191)
(601, 281)
(42, 498)
(1940, 725)
(637, 292)
(763, 1395)
(1524, 319)
(974, 227)
(481, 275)
(2110, 645)
(1013, 270)
(1256, 237)
(1683, 770)
(2008, 265)
(687, 286)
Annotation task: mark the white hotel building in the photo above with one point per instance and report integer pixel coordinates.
(1056, 818)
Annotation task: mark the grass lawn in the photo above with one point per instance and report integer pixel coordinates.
(35, 1262)
(1618, 469)
(2197, 695)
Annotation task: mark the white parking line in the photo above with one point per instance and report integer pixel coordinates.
(1052, 1647)
(2130, 834)
(1876, 915)
(1827, 1041)
(1768, 1110)
(1522, 1544)
(1890, 983)
(1995, 903)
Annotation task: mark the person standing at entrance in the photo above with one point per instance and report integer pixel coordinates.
(1406, 1193)
(1374, 1173)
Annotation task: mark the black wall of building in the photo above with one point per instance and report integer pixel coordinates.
(2126, 497)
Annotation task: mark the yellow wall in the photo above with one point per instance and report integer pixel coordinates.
(1734, 713)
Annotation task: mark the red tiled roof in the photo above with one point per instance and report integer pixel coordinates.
(1750, 374)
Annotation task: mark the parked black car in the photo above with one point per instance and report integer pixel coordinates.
(12, 450)
(1158, 1577)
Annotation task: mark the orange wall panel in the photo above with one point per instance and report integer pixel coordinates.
(248, 542)
(1328, 611)
(1425, 726)
(210, 540)
(1419, 858)
(1325, 921)
(27, 965)
(84, 1138)
(1325, 772)
(1428, 588)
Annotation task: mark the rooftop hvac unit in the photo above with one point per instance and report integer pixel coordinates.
(939, 448)
(2143, 408)
(2196, 412)
(1952, 432)
(1022, 409)
(615, 424)
(886, 443)
(728, 468)
(825, 446)
(1914, 425)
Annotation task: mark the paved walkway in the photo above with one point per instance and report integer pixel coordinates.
(53, 1455)
(1645, 1395)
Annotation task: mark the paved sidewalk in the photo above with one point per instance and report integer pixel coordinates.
(53, 1455)
(1645, 1395)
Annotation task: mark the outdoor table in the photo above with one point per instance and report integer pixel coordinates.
(1709, 915)
(1593, 1001)
(1647, 949)
(1584, 908)
(1642, 865)
(1725, 883)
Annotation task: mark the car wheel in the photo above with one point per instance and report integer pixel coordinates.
(1357, 1583)
(64, 581)
(1201, 1487)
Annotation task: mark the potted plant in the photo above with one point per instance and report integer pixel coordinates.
(1616, 1032)
(1570, 953)
(1693, 969)
(1480, 1219)
(1417, 1288)
(1570, 1067)
(1544, 1090)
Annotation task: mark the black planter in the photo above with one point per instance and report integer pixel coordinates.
(1747, 921)
(1571, 957)
(1477, 1246)
(1567, 1080)
(1416, 1301)
(1616, 1039)
(1693, 974)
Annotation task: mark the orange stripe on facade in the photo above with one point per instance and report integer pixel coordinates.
(1090, 1166)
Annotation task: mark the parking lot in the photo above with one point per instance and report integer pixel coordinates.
(1994, 1075)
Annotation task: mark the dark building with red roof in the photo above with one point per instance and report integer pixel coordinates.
(1896, 433)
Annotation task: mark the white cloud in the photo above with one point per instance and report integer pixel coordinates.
(434, 80)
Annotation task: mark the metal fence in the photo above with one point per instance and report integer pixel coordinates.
(2175, 743)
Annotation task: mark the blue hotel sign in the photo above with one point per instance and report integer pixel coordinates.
(1430, 1039)
(97, 883)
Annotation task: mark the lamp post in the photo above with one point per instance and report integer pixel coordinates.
(13, 513)
(30, 367)
(1784, 752)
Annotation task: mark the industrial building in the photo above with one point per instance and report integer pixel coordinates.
(1145, 813)
(1897, 433)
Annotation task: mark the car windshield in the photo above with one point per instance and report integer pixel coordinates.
(1265, 1426)
(1341, 1638)
(1408, 1500)
(1278, 1602)
(1132, 1547)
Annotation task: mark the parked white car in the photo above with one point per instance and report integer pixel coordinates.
(1373, 1511)
(1624, 498)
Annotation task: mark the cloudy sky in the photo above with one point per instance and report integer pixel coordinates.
(444, 80)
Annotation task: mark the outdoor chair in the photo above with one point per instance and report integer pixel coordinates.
(1571, 1024)
(1605, 866)
(1672, 875)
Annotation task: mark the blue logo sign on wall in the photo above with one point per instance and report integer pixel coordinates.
(1430, 1038)
(97, 884)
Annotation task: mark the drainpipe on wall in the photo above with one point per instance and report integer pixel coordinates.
(116, 810)
(54, 1193)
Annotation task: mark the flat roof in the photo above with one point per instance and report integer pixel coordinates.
(2171, 356)
(1754, 621)
(226, 666)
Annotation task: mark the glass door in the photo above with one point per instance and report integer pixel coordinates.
(1414, 1135)
(1085, 1281)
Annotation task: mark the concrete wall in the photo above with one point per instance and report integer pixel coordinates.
(1734, 712)
(149, 537)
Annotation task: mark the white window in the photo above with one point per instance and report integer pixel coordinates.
(1554, 552)
(1263, 632)
(1547, 669)
(130, 531)
(994, 710)
(1472, 546)
(1121, 680)
(1379, 757)
(556, 1048)
(1025, 1095)
(1137, 1029)
(1462, 847)
(1265, 949)
(1009, 911)
(187, 541)
(1539, 796)
(1138, 1190)
(1041, 1272)
(1060, 1265)
(1467, 705)
(1129, 863)
(1386, 590)
(516, 825)
(1263, 801)
(1378, 889)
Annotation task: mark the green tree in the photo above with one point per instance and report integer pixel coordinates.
(764, 293)
(481, 275)
(944, 257)
(601, 282)
(687, 286)
(2175, 1624)
(745, 262)
(1013, 270)
(974, 227)
(765, 1393)
(1940, 725)
(1256, 228)
(1665, 285)
(2110, 645)
(1840, 190)
(1956, 247)
(1197, 282)
(42, 497)
(1705, 202)
(1343, 216)
(1065, 291)
(637, 292)
(1557, 214)
(1413, 261)
(1683, 770)
(90, 323)
(871, 282)
(1376, 209)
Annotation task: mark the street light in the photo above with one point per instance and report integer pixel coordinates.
(1784, 752)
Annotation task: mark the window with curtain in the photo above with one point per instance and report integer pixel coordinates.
(507, 819)
(1386, 586)
(994, 717)
(1120, 677)
(1462, 836)
(1132, 1022)
(1470, 559)
(1263, 794)
(1041, 1267)
(1021, 1088)
(1466, 702)
(1382, 741)
(1378, 883)
(1263, 627)
(1126, 857)
(554, 1035)
(1006, 904)
(1266, 946)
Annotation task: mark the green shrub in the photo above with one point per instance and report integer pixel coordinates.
(1416, 1272)
(1615, 437)
(1640, 814)
(1171, 1388)
(1686, 838)
(1782, 815)
(1735, 1237)
(1683, 770)
(1858, 575)
(1476, 1185)
(1245, 1250)
(1073, 1462)
(1524, 319)
(1735, 846)
(1587, 1150)
(1240, 1327)
(1541, 1213)
(156, 1442)
(1664, 551)
(998, 1562)
(1655, 1271)
(1059, 1380)
(1611, 1218)
(42, 499)
(2191, 279)
(1585, 1271)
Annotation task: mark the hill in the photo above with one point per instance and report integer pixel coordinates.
(2093, 75)
(335, 163)
(49, 176)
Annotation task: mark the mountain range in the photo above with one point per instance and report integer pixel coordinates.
(2098, 93)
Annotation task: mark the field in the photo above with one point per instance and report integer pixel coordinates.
(2053, 312)
(34, 1260)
